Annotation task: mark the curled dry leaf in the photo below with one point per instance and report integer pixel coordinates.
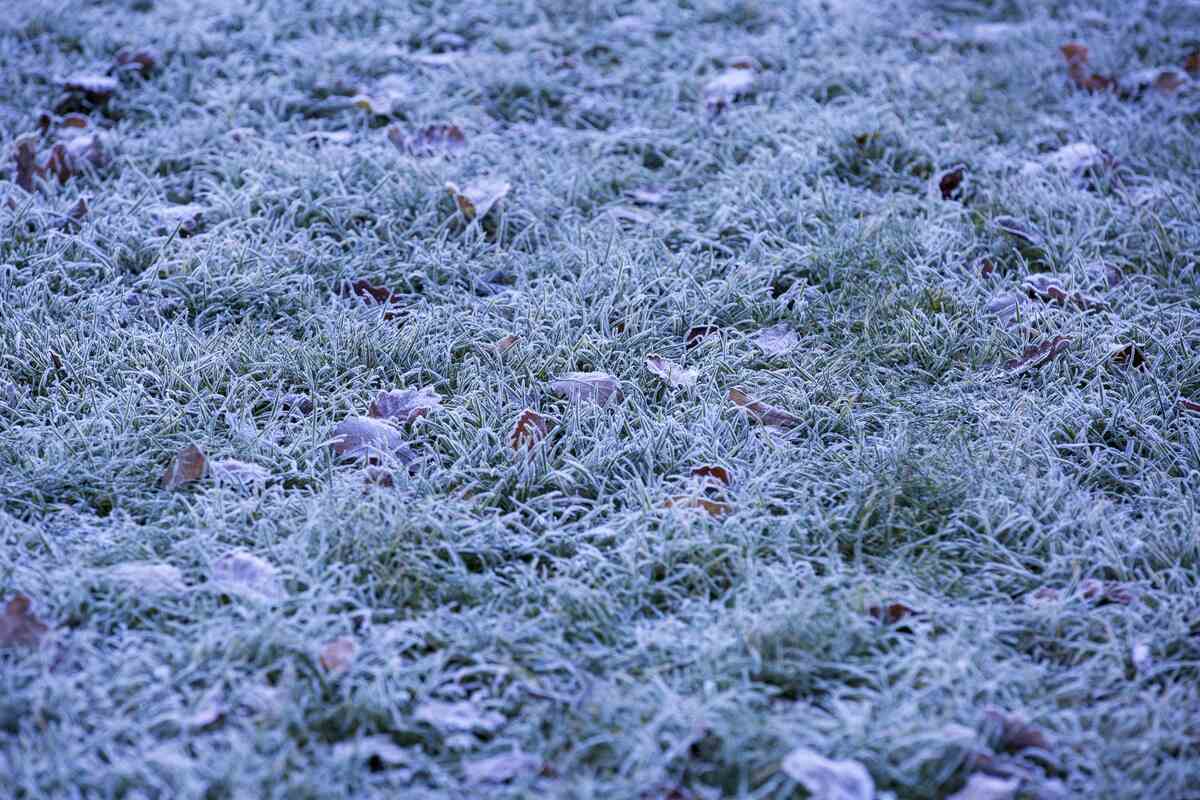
(777, 340)
(246, 575)
(1036, 356)
(712, 472)
(1159, 80)
(501, 768)
(1013, 732)
(827, 779)
(696, 335)
(761, 412)
(981, 786)
(458, 717)
(404, 405)
(595, 387)
(359, 437)
(1050, 288)
(949, 184)
(1128, 355)
(529, 429)
(188, 465)
(18, 626)
(714, 508)
(428, 141)
(337, 656)
(479, 197)
(149, 576)
(890, 613)
(671, 374)
(1079, 72)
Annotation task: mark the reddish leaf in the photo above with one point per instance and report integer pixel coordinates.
(404, 405)
(761, 412)
(1036, 356)
(890, 613)
(596, 387)
(78, 212)
(948, 184)
(696, 335)
(713, 508)
(1102, 592)
(1076, 56)
(708, 471)
(19, 627)
(1189, 405)
(188, 465)
(529, 429)
(671, 374)
(372, 294)
(337, 656)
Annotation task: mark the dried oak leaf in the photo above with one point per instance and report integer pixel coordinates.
(142, 60)
(529, 429)
(1128, 355)
(404, 405)
(671, 374)
(826, 778)
(777, 340)
(713, 472)
(981, 786)
(1161, 80)
(188, 465)
(72, 156)
(1036, 356)
(761, 412)
(337, 656)
(428, 141)
(595, 387)
(358, 437)
(696, 335)
(18, 626)
(479, 197)
(714, 508)
(1012, 732)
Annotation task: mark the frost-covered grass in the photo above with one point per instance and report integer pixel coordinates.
(630, 650)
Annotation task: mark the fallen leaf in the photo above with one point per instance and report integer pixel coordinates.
(1108, 276)
(1191, 64)
(1102, 592)
(504, 344)
(714, 508)
(25, 156)
(1162, 80)
(188, 465)
(70, 157)
(246, 575)
(149, 576)
(404, 405)
(724, 89)
(427, 141)
(501, 768)
(697, 334)
(1011, 226)
(1078, 71)
(827, 779)
(777, 340)
(1189, 405)
(1008, 306)
(529, 429)
(338, 655)
(889, 613)
(356, 437)
(1036, 356)
(458, 717)
(671, 374)
(1128, 355)
(595, 387)
(948, 184)
(987, 787)
(1012, 732)
(241, 473)
(372, 294)
(761, 412)
(476, 199)
(142, 60)
(1049, 288)
(18, 626)
(97, 89)
(717, 473)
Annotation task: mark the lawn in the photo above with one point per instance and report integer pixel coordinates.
(649, 400)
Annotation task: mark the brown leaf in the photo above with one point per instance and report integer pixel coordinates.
(357, 437)
(529, 429)
(1103, 592)
(188, 465)
(428, 141)
(404, 405)
(19, 627)
(696, 335)
(709, 471)
(337, 656)
(1189, 405)
(595, 387)
(372, 294)
(690, 502)
(1013, 732)
(1128, 355)
(777, 340)
(948, 184)
(96, 89)
(1036, 356)
(477, 198)
(142, 60)
(761, 412)
(671, 374)
(1191, 64)
(889, 613)
(1049, 288)
(1076, 56)
(504, 344)
(1162, 80)
(25, 156)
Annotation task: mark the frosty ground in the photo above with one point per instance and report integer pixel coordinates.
(967, 546)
